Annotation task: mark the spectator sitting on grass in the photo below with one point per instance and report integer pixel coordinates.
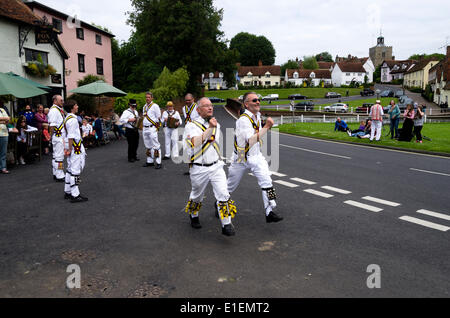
(363, 131)
(340, 125)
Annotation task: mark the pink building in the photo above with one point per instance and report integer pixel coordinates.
(89, 47)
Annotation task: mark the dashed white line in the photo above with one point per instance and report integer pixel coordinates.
(287, 184)
(333, 189)
(318, 193)
(363, 206)
(277, 174)
(431, 172)
(431, 225)
(303, 181)
(435, 214)
(390, 203)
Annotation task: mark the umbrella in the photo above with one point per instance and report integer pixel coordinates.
(99, 88)
(12, 85)
(28, 81)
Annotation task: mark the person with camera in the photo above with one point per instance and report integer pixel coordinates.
(129, 119)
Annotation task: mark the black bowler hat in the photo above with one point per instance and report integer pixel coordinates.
(132, 102)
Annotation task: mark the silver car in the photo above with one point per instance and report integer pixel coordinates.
(336, 107)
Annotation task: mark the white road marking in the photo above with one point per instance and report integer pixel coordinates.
(303, 181)
(431, 172)
(435, 214)
(277, 174)
(336, 190)
(363, 206)
(287, 184)
(318, 152)
(394, 204)
(425, 223)
(318, 193)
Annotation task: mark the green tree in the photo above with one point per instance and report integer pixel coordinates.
(437, 56)
(253, 48)
(310, 63)
(178, 33)
(324, 57)
(290, 64)
(170, 85)
(377, 75)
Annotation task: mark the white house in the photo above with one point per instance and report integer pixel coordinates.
(345, 73)
(261, 75)
(214, 80)
(28, 39)
(439, 78)
(298, 76)
(395, 70)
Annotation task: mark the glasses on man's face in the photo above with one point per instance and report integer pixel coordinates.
(255, 100)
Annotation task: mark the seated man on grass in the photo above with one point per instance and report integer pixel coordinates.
(363, 131)
(340, 125)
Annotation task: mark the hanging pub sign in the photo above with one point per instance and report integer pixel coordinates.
(43, 35)
(56, 79)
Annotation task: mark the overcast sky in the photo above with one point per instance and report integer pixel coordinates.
(303, 27)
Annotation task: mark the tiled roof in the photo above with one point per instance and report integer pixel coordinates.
(421, 65)
(16, 10)
(302, 73)
(274, 70)
(325, 65)
(390, 63)
(355, 67)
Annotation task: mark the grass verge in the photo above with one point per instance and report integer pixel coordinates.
(439, 134)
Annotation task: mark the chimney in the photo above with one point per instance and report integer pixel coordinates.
(448, 51)
(260, 63)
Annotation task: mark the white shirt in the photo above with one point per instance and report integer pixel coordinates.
(191, 131)
(194, 113)
(128, 114)
(86, 129)
(72, 129)
(153, 112)
(174, 114)
(245, 130)
(55, 118)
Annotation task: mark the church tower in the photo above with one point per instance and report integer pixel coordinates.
(380, 52)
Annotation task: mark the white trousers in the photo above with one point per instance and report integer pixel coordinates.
(75, 165)
(58, 157)
(201, 177)
(151, 142)
(260, 169)
(375, 131)
(171, 139)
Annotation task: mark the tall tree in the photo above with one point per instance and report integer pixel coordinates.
(290, 64)
(437, 56)
(253, 48)
(179, 33)
(310, 63)
(324, 57)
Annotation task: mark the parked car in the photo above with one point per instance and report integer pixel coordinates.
(216, 100)
(367, 92)
(387, 93)
(365, 108)
(271, 97)
(336, 107)
(399, 93)
(332, 95)
(305, 106)
(297, 96)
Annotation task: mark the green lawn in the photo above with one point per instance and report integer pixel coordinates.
(285, 92)
(439, 133)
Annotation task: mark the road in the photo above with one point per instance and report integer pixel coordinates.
(345, 208)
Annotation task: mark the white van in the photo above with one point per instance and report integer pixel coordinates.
(271, 97)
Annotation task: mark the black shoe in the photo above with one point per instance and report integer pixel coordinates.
(137, 159)
(67, 196)
(187, 173)
(59, 180)
(195, 223)
(158, 166)
(131, 160)
(228, 230)
(166, 158)
(78, 199)
(148, 164)
(273, 218)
